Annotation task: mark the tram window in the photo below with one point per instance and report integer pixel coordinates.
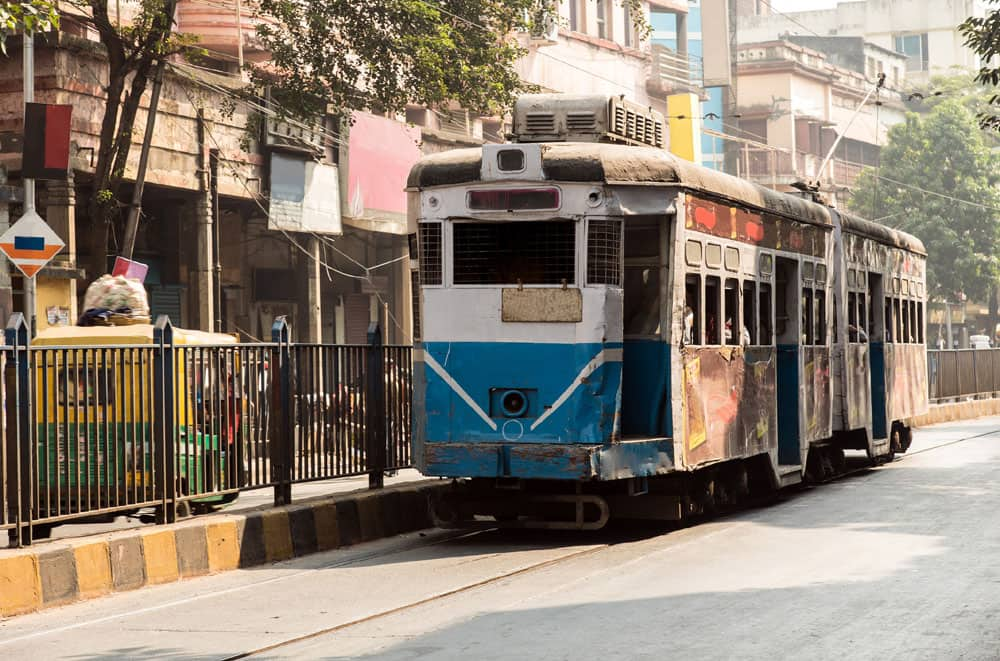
(642, 300)
(764, 309)
(852, 317)
(749, 308)
(713, 330)
(604, 252)
(889, 334)
(807, 316)
(897, 318)
(531, 253)
(920, 322)
(692, 311)
(713, 255)
(430, 253)
(821, 273)
(864, 320)
(910, 319)
(820, 317)
(914, 331)
(731, 312)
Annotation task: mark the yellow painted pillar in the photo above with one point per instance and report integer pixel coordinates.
(684, 111)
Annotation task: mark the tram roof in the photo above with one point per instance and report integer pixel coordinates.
(629, 165)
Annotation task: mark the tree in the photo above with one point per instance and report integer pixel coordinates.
(133, 50)
(982, 35)
(31, 16)
(346, 54)
(944, 154)
(383, 55)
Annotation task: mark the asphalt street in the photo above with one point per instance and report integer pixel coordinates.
(898, 562)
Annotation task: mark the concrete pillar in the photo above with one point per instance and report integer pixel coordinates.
(6, 296)
(682, 33)
(204, 268)
(60, 214)
(684, 111)
(313, 298)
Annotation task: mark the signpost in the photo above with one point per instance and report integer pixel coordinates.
(30, 243)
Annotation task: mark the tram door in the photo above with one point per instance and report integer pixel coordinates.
(787, 323)
(646, 357)
(880, 318)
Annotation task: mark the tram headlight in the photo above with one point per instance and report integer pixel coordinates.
(514, 403)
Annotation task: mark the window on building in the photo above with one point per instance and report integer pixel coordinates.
(574, 15)
(601, 17)
(914, 47)
(530, 253)
(627, 26)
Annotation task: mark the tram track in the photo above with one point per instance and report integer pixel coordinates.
(545, 564)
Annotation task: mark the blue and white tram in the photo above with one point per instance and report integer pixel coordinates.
(605, 327)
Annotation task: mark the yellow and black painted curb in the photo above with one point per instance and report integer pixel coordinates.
(57, 573)
(952, 411)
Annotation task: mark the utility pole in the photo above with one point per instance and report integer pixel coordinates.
(132, 223)
(28, 55)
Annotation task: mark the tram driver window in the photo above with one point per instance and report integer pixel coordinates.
(713, 326)
(692, 310)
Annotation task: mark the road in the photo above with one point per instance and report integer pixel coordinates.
(900, 562)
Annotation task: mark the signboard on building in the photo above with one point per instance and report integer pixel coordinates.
(305, 196)
(381, 152)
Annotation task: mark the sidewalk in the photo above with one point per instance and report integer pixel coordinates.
(63, 571)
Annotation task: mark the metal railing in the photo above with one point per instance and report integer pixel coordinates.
(670, 70)
(92, 432)
(960, 373)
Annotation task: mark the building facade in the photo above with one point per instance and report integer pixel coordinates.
(795, 103)
(926, 33)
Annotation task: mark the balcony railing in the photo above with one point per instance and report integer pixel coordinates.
(768, 165)
(673, 72)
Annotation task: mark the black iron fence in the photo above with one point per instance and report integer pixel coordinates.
(92, 432)
(959, 373)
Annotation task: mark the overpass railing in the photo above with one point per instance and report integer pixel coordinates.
(93, 432)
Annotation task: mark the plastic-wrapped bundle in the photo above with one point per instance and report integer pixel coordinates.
(117, 299)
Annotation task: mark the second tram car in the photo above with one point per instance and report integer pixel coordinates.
(605, 328)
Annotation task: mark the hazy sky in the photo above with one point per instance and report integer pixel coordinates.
(802, 5)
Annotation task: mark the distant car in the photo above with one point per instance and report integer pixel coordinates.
(979, 342)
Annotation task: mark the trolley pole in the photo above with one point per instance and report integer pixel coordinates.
(29, 184)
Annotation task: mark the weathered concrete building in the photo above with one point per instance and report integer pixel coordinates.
(795, 102)
(926, 33)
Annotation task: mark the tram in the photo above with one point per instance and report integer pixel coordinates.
(605, 328)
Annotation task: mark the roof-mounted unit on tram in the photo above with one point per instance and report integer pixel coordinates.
(587, 118)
